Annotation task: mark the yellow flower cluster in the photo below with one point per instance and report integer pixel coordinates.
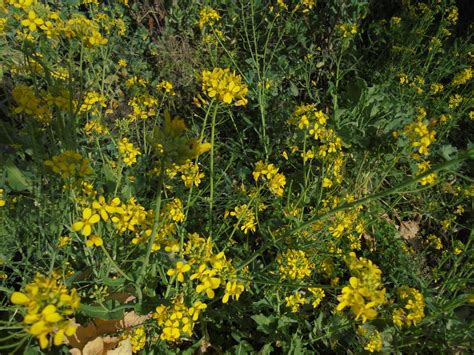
(347, 30)
(463, 77)
(177, 319)
(453, 15)
(189, 171)
(135, 81)
(166, 87)
(429, 179)
(143, 107)
(208, 17)
(48, 305)
(245, 218)
(365, 291)
(349, 224)
(294, 265)
(268, 172)
(374, 343)
(210, 269)
(2, 198)
(139, 221)
(137, 338)
(92, 101)
(31, 105)
(64, 241)
(435, 242)
(420, 137)
(455, 100)
(317, 295)
(225, 86)
(417, 83)
(95, 127)
(128, 152)
(174, 210)
(70, 165)
(413, 311)
(83, 28)
(314, 122)
(436, 88)
(295, 300)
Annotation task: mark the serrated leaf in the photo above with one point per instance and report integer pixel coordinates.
(263, 322)
(448, 152)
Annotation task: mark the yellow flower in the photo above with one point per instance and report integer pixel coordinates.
(167, 87)
(180, 269)
(208, 282)
(64, 241)
(2, 201)
(365, 290)
(294, 301)
(128, 152)
(224, 85)
(294, 265)
(48, 303)
(245, 218)
(208, 16)
(88, 220)
(413, 311)
(32, 21)
(94, 240)
(233, 289)
(374, 343)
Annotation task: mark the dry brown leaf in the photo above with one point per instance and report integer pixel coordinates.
(125, 348)
(99, 327)
(409, 229)
(95, 347)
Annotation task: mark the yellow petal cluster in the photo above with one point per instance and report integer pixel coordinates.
(48, 304)
(365, 291)
(225, 86)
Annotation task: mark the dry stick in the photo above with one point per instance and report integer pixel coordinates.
(462, 157)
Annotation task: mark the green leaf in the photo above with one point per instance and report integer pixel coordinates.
(293, 89)
(448, 152)
(113, 282)
(16, 179)
(103, 313)
(264, 322)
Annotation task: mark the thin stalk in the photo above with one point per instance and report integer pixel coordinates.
(211, 177)
(156, 223)
(114, 264)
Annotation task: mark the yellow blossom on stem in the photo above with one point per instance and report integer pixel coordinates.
(48, 304)
(179, 271)
(88, 220)
(224, 85)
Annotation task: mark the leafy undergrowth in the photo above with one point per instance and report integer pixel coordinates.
(236, 177)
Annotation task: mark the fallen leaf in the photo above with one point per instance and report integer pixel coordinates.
(95, 347)
(124, 348)
(409, 229)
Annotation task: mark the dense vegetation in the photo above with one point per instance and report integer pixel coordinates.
(236, 176)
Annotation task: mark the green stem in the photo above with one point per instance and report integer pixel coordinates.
(211, 177)
(114, 264)
(156, 223)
